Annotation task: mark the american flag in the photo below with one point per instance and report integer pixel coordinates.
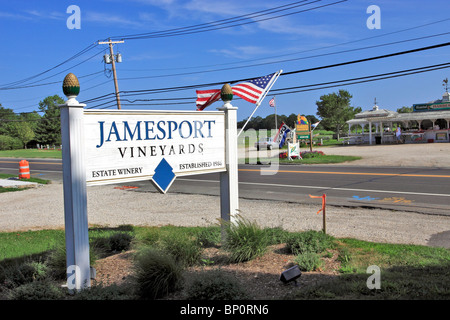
(252, 90)
(272, 102)
(206, 98)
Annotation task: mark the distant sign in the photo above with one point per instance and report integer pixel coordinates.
(431, 106)
(302, 124)
(293, 150)
(123, 146)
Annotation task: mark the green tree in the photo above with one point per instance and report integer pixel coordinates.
(291, 120)
(335, 110)
(312, 118)
(48, 130)
(23, 131)
(6, 117)
(33, 119)
(405, 109)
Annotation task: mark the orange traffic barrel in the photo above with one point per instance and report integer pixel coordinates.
(24, 170)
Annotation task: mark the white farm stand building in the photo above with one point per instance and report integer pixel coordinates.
(429, 122)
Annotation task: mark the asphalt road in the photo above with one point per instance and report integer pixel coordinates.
(424, 190)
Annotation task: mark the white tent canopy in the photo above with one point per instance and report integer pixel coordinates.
(425, 126)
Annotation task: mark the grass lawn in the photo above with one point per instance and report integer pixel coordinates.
(407, 272)
(321, 160)
(325, 159)
(6, 176)
(31, 153)
(37, 180)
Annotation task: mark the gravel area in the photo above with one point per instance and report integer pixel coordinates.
(43, 207)
(396, 155)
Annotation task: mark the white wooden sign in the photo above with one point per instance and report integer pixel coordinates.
(123, 146)
(104, 147)
(293, 150)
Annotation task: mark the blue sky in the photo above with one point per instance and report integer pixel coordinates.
(35, 38)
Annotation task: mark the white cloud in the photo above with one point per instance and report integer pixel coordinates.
(47, 15)
(33, 15)
(286, 26)
(8, 15)
(241, 52)
(106, 18)
(223, 8)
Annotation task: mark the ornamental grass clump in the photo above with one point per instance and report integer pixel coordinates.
(185, 249)
(308, 261)
(245, 240)
(38, 290)
(156, 274)
(308, 241)
(209, 237)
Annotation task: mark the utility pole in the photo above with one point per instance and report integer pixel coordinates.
(113, 59)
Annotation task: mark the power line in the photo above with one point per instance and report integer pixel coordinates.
(227, 23)
(18, 82)
(359, 80)
(304, 51)
(286, 60)
(46, 84)
(304, 88)
(179, 31)
(370, 59)
(178, 88)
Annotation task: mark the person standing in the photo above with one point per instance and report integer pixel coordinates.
(398, 134)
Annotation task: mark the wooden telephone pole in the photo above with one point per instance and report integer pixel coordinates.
(113, 62)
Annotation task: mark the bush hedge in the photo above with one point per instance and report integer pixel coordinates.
(10, 143)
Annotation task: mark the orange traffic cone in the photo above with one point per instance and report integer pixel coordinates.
(24, 170)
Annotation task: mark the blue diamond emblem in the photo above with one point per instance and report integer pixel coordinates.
(163, 176)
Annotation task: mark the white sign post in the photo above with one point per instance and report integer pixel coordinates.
(104, 147)
(229, 184)
(74, 184)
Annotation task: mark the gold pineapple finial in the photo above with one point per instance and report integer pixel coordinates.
(226, 93)
(71, 86)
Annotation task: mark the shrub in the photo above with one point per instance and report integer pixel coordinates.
(209, 237)
(101, 292)
(215, 285)
(19, 274)
(156, 274)
(311, 154)
(276, 235)
(120, 241)
(184, 249)
(345, 257)
(308, 261)
(57, 262)
(10, 143)
(308, 241)
(150, 236)
(38, 290)
(245, 240)
(117, 242)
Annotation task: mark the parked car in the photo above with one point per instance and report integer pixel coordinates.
(266, 143)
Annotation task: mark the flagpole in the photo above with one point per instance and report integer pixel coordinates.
(269, 86)
(275, 106)
(310, 137)
(258, 103)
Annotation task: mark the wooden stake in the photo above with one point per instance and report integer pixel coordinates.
(324, 213)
